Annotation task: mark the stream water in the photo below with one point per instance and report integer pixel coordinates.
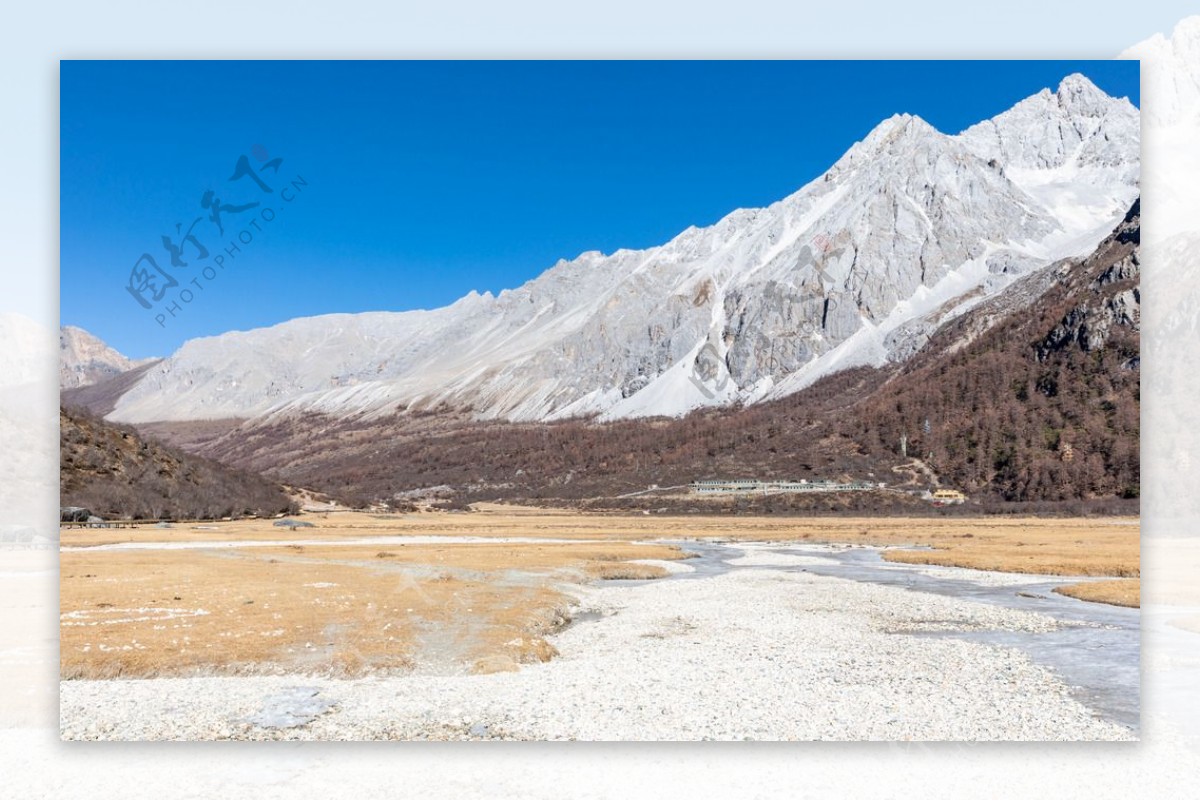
(1099, 660)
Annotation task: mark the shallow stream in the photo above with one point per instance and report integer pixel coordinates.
(1099, 659)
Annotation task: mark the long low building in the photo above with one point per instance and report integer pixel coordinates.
(746, 486)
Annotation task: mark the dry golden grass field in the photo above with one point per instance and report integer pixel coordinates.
(340, 598)
(340, 608)
(1119, 592)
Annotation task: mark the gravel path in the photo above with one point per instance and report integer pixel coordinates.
(753, 654)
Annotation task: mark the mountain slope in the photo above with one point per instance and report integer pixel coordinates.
(100, 397)
(115, 473)
(1032, 395)
(908, 229)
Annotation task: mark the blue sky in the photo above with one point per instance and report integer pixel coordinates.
(412, 183)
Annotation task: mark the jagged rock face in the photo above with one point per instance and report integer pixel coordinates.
(925, 205)
(1057, 129)
(83, 359)
(1089, 327)
(856, 267)
(1102, 305)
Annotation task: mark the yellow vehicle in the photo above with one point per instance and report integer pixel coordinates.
(944, 496)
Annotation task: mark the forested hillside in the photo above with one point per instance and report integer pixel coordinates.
(115, 473)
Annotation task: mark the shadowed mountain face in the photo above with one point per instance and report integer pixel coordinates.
(1032, 395)
(101, 395)
(908, 229)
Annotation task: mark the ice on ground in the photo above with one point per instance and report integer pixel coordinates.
(762, 557)
(291, 708)
(984, 578)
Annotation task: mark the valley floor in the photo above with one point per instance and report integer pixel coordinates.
(463, 633)
(748, 655)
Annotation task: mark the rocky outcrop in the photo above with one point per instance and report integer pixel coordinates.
(84, 359)
(1109, 298)
(1088, 328)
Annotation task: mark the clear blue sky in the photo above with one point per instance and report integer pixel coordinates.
(426, 180)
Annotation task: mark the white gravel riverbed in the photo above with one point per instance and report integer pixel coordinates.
(759, 654)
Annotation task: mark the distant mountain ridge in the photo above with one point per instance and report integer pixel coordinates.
(84, 359)
(910, 229)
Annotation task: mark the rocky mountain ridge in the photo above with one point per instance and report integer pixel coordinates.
(909, 229)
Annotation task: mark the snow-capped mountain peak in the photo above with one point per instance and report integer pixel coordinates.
(1077, 95)
(897, 127)
(1076, 125)
(909, 226)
